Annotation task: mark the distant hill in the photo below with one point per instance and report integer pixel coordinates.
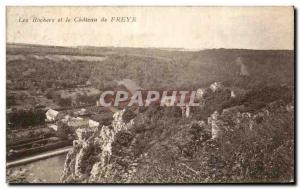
(160, 68)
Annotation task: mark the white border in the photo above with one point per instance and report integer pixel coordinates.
(154, 2)
(5, 3)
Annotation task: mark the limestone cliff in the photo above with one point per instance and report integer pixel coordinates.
(158, 145)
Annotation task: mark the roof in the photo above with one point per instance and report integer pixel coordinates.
(54, 127)
(78, 122)
(130, 85)
(51, 114)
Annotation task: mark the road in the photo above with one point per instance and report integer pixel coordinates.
(38, 157)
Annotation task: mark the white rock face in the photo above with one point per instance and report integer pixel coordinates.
(78, 159)
(215, 125)
(216, 86)
(200, 93)
(106, 138)
(232, 94)
(83, 133)
(93, 123)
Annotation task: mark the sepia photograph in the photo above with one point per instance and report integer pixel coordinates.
(150, 95)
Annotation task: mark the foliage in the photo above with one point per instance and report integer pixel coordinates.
(24, 118)
(163, 147)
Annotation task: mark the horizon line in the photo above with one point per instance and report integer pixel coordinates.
(162, 48)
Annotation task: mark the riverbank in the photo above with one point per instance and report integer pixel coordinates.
(41, 171)
(38, 157)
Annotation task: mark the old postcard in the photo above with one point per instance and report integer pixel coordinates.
(150, 95)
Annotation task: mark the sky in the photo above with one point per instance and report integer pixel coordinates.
(163, 27)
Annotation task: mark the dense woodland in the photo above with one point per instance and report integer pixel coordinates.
(150, 68)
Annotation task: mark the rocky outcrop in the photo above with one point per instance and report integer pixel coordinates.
(158, 145)
(83, 154)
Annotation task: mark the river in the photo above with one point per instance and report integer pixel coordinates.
(43, 171)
